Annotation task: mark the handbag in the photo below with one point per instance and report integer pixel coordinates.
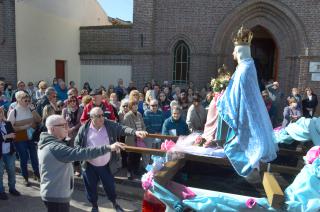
(21, 135)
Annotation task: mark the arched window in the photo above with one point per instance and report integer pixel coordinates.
(181, 62)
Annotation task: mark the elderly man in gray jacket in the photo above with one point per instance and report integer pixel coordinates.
(55, 159)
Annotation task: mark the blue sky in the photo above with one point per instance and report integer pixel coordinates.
(122, 9)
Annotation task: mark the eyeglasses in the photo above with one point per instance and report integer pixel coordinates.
(65, 125)
(27, 100)
(98, 116)
(125, 106)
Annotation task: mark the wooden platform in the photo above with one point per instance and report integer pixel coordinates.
(271, 186)
(216, 161)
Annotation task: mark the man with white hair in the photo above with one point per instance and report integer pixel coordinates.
(55, 159)
(99, 131)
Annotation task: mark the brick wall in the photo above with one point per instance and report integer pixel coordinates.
(8, 62)
(206, 26)
(105, 40)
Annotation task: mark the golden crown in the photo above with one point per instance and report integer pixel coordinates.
(243, 37)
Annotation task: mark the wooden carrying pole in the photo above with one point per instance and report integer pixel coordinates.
(169, 137)
(274, 192)
(212, 160)
(142, 150)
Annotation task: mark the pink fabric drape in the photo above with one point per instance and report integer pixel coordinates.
(210, 127)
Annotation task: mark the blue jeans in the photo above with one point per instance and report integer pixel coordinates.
(27, 149)
(7, 161)
(91, 177)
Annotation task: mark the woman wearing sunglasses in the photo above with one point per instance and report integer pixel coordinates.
(24, 119)
(72, 114)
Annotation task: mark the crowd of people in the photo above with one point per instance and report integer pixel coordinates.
(93, 117)
(296, 105)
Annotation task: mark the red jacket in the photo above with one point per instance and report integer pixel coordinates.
(106, 108)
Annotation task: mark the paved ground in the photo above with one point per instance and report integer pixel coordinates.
(30, 200)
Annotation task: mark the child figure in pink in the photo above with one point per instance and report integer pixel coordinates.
(219, 85)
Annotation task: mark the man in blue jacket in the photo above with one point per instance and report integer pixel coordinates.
(153, 120)
(175, 125)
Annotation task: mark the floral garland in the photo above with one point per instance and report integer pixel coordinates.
(221, 82)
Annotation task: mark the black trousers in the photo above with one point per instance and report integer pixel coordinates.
(91, 176)
(57, 206)
(133, 162)
(123, 153)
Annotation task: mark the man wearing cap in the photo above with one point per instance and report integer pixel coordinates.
(97, 101)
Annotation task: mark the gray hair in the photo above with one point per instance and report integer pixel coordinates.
(173, 103)
(53, 120)
(50, 90)
(154, 101)
(176, 108)
(94, 111)
(20, 94)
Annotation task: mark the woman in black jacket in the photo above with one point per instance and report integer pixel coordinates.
(309, 104)
(7, 156)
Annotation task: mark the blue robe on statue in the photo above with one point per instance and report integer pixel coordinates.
(303, 130)
(250, 136)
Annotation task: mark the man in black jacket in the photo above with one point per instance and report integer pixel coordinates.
(96, 132)
(50, 97)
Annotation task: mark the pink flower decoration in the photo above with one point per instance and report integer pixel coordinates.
(277, 129)
(313, 154)
(167, 145)
(147, 180)
(251, 202)
(198, 140)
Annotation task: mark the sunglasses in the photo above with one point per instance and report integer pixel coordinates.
(154, 105)
(125, 106)
(98, 116)
(65, 125)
